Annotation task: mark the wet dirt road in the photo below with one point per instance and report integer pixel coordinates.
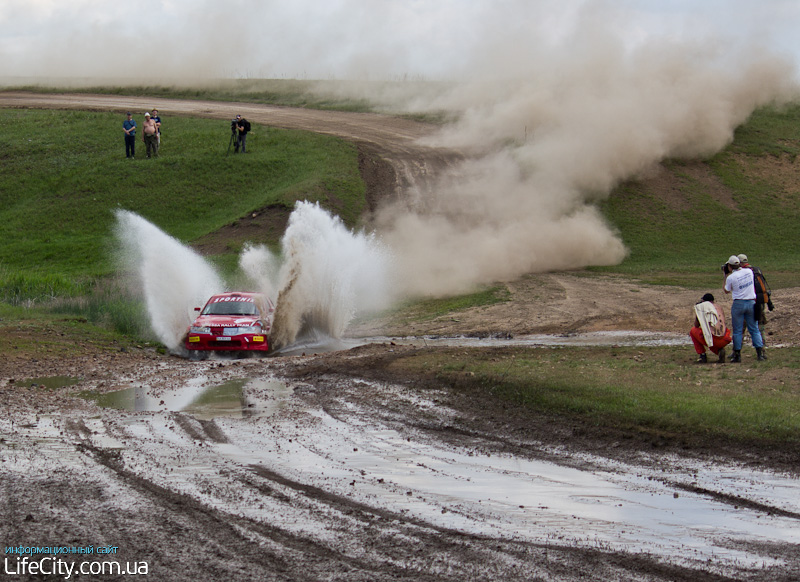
(227, 469)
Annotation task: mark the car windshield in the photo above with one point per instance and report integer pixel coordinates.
(231, 308)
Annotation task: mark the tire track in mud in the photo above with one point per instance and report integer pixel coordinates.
(357, 541)
(206, 430)
(481, 439)
(387, 545)
(206, 526)
(188, 535)
(428, 540)
(735, 501)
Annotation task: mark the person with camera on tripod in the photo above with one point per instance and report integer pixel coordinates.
(242, 129)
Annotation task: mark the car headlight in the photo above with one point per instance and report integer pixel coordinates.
(250, 329)
(199, 329)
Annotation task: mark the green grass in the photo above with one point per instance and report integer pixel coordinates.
(42, 333)
(687, 245)
(428, 309)
(108, 306)
(62, 175)
(651, 390)
(771, 131)
(37, 286)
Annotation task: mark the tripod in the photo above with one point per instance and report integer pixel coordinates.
(233, 140)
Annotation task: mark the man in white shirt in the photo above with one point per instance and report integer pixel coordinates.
(740, 284)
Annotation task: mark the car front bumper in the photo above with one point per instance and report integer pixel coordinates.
(224, 343)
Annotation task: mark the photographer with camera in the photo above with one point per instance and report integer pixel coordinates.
(242, 128)
(740, 283)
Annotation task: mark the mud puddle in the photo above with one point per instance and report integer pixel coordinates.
(681, 512)
(610, 506)
(48, 382)
(199, 398)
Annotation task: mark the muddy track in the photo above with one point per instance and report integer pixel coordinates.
(207, 500)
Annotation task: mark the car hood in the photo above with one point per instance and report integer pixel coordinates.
(225, 320)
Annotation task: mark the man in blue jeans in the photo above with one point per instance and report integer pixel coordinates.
(740, 283)
(129, 127)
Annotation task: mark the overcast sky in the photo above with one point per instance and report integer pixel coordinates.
(376, 39)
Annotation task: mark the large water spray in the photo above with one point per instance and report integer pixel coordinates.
(327, 276)
(170, 277)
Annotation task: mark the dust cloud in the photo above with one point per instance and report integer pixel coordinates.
(551, 104)
(552, 139)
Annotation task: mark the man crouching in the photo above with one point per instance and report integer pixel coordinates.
(709, 329)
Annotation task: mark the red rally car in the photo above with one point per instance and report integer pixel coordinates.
(231, 322)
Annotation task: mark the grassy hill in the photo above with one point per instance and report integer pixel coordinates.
(62, 174)
(689, 216)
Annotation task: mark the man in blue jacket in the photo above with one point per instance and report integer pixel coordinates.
(129, 127)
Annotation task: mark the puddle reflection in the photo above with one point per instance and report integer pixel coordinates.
(202, 401)
(49, 382)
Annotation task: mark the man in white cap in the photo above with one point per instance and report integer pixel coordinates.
(740, 284)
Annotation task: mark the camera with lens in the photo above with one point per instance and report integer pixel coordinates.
(234, 125)
(726, 268)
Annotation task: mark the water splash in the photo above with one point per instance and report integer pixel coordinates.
(260, 268)
(328, 275)
(170, 276)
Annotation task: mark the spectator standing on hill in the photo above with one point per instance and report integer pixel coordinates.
(154, 116)
(739, 283)
(150, 136)
(242, 129)
(129, 127)
(709, 329)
